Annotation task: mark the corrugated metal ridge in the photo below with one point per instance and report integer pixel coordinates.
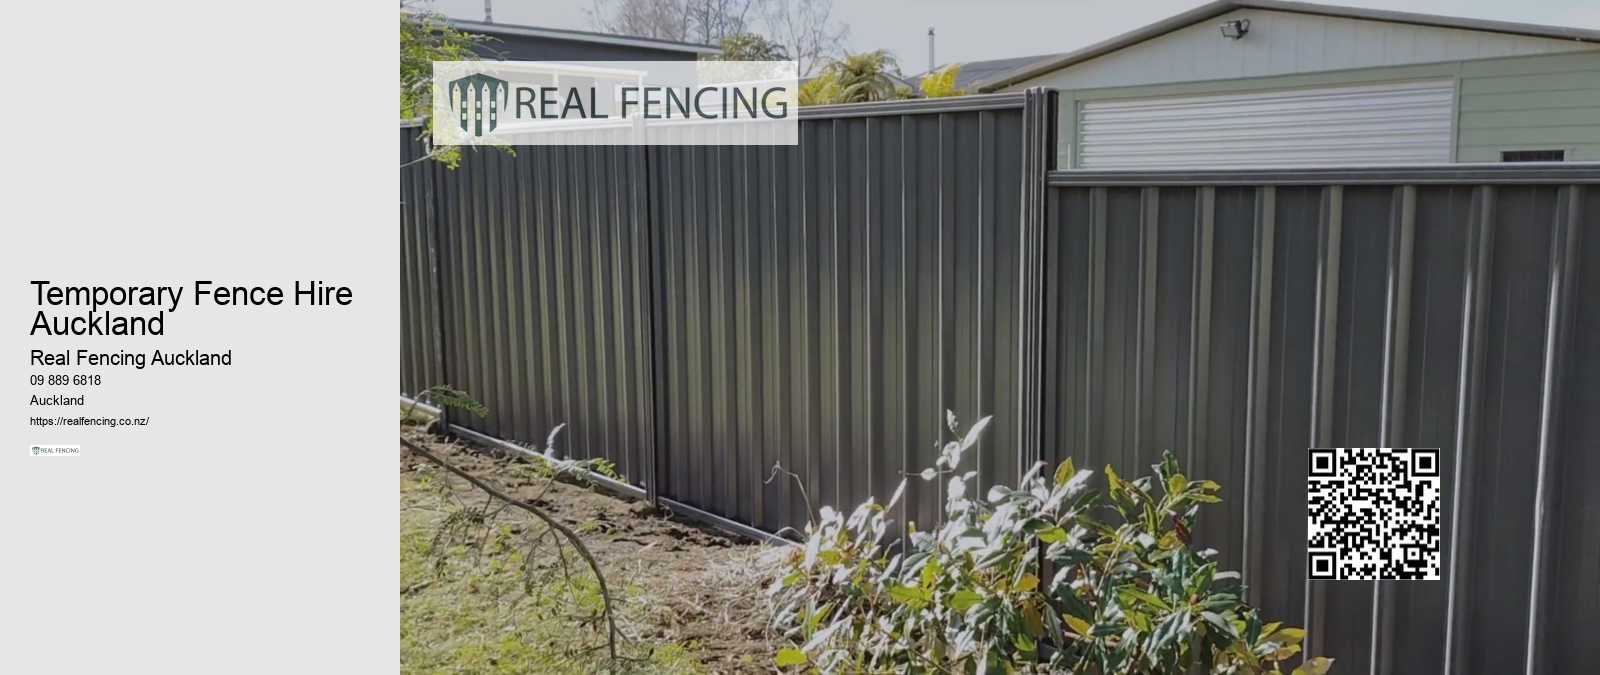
(1501, 174)
(919, 106)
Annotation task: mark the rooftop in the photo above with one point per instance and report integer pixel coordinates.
(581, 36)
(1038, 65)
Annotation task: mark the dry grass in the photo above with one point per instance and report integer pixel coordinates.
(690, 599)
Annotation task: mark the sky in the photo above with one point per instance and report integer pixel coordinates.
(970, 30)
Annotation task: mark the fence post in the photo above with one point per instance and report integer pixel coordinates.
(1037, 154)
(644, 212)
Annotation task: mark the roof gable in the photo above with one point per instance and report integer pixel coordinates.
(1285, 38)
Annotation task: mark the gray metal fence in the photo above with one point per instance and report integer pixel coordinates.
(823, 305)
(1239, 318)
(529, 266)
(698, 315)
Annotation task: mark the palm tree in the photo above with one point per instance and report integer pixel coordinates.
(858, 78)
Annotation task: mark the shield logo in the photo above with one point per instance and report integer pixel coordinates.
(478, 100)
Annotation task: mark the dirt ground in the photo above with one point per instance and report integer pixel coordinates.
(702, 590)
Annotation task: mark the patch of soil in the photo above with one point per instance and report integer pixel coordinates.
(710, 586)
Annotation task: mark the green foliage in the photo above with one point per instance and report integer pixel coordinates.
(820, 90)
(446, 396)
(941, 83)
(750, 47)
(425, 37)
(1125, 594)
(605, 467)
(856, 78)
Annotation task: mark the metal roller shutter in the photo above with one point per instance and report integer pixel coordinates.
(1398, 123)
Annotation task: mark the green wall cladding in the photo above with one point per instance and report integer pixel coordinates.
(1544, 102)
(1532, 103)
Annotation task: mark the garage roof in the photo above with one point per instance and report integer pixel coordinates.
(1050, 63)
(581, 36)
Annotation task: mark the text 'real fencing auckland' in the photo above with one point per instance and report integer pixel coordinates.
(615, 103)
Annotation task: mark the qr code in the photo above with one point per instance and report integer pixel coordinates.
(1373, 514)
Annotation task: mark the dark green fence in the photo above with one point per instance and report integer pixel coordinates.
(698, 315)
(1239, 318)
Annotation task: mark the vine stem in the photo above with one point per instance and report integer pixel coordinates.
(605, 593)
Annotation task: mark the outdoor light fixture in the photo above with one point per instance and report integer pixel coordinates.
(1235, 29)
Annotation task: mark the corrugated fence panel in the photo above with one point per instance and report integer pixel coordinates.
(545, 315)
(1574, 591)
(700, 315)
(1238, 319)
(419, 287)
(825, 304)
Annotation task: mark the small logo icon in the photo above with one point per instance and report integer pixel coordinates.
(35, 449)
(478, 100)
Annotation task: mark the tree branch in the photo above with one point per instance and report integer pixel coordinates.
(571, 536)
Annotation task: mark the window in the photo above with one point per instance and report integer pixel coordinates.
(1533, 156)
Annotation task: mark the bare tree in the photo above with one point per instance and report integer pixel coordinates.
(659, 19)
(807, 30)
(702, 21)
(713, 20)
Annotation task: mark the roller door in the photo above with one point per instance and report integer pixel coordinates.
(1395, 123)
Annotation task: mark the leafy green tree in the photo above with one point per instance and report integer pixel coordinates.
(942, 82)
(819, 90)
(751, 47)
(425, 37)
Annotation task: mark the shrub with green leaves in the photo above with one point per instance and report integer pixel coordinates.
(1047, 576)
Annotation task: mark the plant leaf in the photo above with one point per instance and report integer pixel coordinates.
(964, 599)
(1077, 625)
(975, 431)
(1288, 636)
(1144, 597)
(1176, 484)
(1317, 665)
(789, 656)
(1065, 471)
(899, 491)
(910, 595)
(1052, 534)
(930, 573)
